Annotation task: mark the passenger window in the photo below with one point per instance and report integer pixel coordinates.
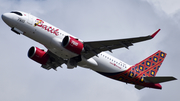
(18, 13)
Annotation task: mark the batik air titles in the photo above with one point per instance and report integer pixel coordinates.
(64, 48)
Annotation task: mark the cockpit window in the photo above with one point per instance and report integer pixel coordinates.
(18, 13)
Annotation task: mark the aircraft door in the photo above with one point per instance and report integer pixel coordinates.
(31, 29)
(30, 19)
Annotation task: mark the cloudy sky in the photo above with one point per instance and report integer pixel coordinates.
(22, 79)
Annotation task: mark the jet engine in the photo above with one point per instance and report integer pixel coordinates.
(72, 44)
(38, 55)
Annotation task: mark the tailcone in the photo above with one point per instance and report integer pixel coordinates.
(156, 86)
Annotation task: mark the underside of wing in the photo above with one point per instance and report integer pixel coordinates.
(54, 61)
(95, 47)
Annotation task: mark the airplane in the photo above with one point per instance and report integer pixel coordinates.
(63, 48)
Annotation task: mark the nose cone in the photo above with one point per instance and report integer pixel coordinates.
(8, 19)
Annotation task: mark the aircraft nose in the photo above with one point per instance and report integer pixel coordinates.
(7, 18)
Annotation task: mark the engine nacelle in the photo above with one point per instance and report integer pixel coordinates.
(38, 55)
(72, 44)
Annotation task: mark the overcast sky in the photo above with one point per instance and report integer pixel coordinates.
(22, 79)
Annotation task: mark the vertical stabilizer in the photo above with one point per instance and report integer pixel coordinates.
(149, 66)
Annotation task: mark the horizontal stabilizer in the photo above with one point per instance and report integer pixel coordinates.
(159, 79)
(139, 87)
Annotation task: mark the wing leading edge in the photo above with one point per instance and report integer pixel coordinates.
(95, 47)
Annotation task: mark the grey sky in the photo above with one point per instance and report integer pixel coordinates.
(24, 80)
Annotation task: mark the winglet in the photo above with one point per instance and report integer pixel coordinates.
(154, 34)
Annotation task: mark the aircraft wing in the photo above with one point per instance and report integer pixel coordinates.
(95, 47)
(54, 62)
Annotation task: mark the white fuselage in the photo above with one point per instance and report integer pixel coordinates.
(51, 37)
(65, 48)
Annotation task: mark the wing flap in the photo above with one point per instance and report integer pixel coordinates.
(54, 62)
(159, 79)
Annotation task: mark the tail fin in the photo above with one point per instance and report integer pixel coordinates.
(147, 69)
(149, 66)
